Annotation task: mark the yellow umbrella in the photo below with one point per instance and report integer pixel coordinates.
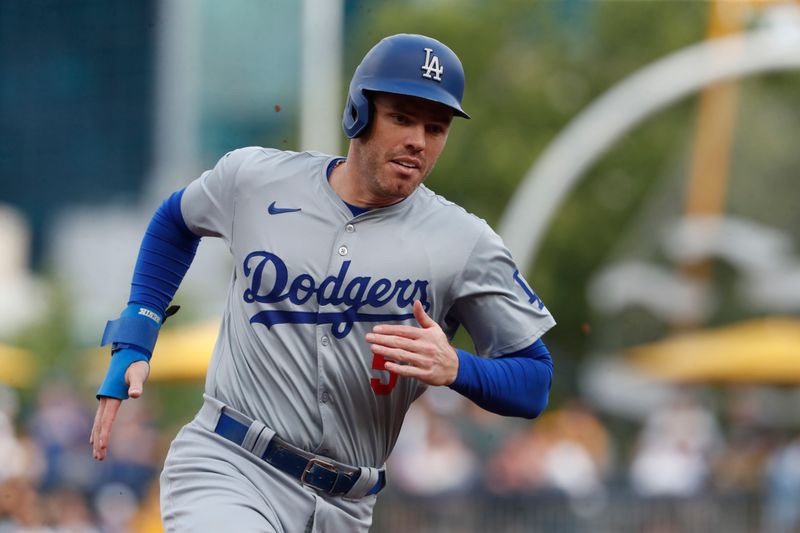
(18, 367)
(755, 351)
(184, 352)
(181, 353)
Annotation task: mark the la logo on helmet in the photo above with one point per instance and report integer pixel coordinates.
(433, 70)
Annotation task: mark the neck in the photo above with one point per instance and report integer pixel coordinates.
(348, 181)
(342, 183)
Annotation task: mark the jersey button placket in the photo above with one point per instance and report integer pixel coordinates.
(324, 398)
(326, 344)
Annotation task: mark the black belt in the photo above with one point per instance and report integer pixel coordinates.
(314, 472)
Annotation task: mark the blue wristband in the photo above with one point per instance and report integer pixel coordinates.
(114, 386)
(133, 336)
(136, 327)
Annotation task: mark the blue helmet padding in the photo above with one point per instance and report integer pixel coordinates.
(397, 64)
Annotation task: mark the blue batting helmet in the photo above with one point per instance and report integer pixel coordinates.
(413, 65)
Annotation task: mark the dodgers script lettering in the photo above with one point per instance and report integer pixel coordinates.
(270, 283)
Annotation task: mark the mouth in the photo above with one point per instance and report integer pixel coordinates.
(406, 165)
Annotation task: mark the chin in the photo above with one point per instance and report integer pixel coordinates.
(397, 185)
(406, 186)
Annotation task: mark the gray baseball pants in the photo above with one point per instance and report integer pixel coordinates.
(211, 484)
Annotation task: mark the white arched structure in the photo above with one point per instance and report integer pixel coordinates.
(559, 169)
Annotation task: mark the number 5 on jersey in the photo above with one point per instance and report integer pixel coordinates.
(384, 384)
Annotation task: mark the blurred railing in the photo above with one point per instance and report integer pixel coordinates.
(620, 513)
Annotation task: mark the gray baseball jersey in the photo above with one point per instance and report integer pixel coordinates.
(310, 280)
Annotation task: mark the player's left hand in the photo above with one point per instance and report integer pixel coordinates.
(135, 377)
(416, 352)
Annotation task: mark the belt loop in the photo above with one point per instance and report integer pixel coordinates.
(209, 413)
(365, 482)
(251, 437)
(263, 440)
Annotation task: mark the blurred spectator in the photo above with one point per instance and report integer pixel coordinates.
(484, 432)
(60, 427)
(518, 466)
(20, 458)
(25, 299)
(116, 506)
(675, 449)
(14, 457)
(20, 508)
(69, 512)
(431, 445)
(135, 458)
(578, 455)
(782, 499)
(750, 443)
(566, 450)
(67, 477)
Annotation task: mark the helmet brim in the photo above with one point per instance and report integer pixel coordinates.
(426, 91)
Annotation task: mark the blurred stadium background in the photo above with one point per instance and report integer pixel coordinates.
(641, 157)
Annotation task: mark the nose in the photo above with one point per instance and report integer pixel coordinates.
(415, 137)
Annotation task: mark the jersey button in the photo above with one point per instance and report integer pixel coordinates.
(343, 250)
(349, 228)
(325, 397)
(324, 341)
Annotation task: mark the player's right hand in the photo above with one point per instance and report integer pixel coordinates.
(135, 377)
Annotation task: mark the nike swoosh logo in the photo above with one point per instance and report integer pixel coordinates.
(273, 210)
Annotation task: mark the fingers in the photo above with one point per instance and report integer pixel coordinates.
(101, 431)
(394, 341)
(135, 376)
(422, 317)
(398, 355)
(401, 349)
(419, 352)
(423, 369)
(96, 425)
(406, 370)
(107, 408)
(411, 332)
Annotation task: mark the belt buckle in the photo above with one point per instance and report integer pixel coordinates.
(324, 465)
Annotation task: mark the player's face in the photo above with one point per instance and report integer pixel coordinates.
(405, 138)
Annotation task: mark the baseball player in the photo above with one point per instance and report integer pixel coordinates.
(350, 278)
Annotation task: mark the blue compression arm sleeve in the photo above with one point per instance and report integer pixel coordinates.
(516, 384)
(167, 251)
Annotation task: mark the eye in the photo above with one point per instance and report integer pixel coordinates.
(399, 118)
(435, 129)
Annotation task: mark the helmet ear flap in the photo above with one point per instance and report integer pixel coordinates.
(356, 113)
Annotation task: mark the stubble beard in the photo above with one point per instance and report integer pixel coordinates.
(382, 184)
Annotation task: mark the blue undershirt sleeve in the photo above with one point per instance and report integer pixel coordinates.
(515, 384)
(167, 250)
